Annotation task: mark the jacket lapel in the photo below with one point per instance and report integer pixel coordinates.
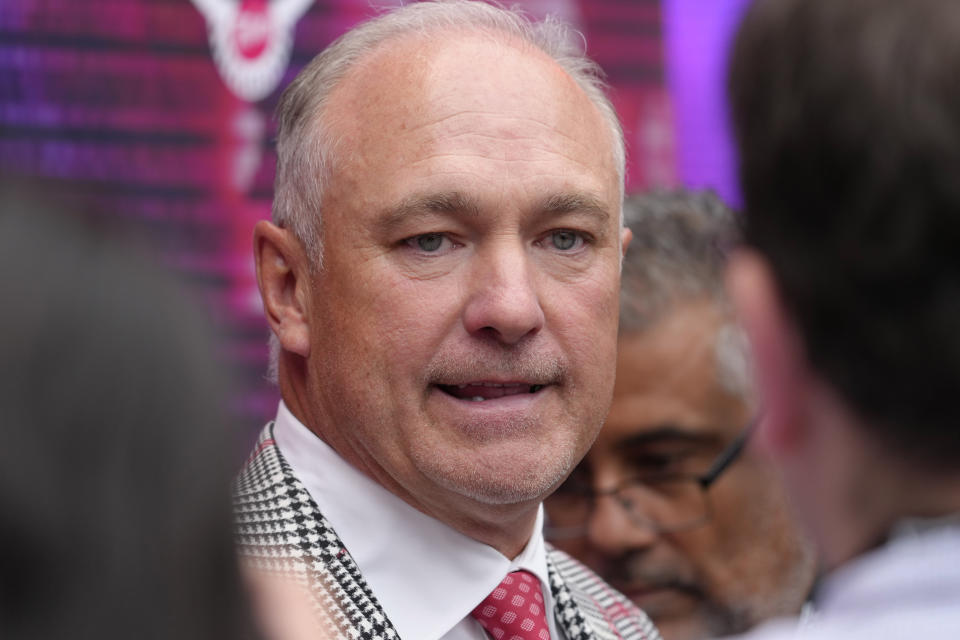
(587, 608)
(280, 529)
(566, 610)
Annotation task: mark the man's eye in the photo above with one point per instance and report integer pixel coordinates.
(427, 242)
(661, 462)
(566, 240)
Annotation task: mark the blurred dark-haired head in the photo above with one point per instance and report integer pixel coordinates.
(115, 464)
(847, 119)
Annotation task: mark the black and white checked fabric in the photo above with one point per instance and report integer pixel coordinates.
(280, 529)
(587, 608)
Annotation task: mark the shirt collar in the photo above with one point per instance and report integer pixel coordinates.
(394, 544)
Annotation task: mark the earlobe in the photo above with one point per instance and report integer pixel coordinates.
(283, 278)
(778, 361)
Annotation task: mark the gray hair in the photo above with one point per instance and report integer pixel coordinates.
(306, 142)
(679, 250)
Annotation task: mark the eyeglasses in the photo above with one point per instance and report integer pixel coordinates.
(665, 503)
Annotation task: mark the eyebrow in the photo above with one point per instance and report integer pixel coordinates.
(669, 433)
(563, 203)
(448, 202)
(456, 202)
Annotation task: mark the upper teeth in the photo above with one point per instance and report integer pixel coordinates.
(488, 384)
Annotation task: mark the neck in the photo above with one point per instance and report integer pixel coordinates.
(866, 488)
(884, 501)
(506, 528)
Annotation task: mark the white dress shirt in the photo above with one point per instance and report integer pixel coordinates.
(427, 576)
(907, 589)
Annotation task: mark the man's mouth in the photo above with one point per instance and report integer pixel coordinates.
(481, 391)
(661, 598)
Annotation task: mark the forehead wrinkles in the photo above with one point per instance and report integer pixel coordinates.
(507, 137)
(419, 92)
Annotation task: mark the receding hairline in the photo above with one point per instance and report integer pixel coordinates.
(329, 118)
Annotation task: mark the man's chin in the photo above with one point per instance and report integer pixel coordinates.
(522, 462)
(494, 486)
(497, 477)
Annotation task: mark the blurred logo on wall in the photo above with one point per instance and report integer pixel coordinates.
(251, 41)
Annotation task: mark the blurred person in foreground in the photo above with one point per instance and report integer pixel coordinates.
(847, 119)
(441, 278)
(670, 505)
(115, 465)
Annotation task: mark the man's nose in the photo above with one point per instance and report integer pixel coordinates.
(504, 302)
(612, 531)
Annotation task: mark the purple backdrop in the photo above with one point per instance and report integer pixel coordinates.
(696, 36)
(135, 108)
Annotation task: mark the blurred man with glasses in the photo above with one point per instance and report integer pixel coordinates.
(668, 506)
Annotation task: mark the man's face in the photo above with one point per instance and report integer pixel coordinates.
(671, 414)
(463, 326)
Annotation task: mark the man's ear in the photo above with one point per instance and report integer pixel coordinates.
(779, 361)
(283, 275)
(626, 235)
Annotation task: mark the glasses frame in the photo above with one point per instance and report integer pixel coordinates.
(728, 456)
(720, 464)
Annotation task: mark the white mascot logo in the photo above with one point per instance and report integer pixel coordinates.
(251, 41)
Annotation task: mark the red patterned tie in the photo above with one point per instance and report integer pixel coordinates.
(515, 610)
